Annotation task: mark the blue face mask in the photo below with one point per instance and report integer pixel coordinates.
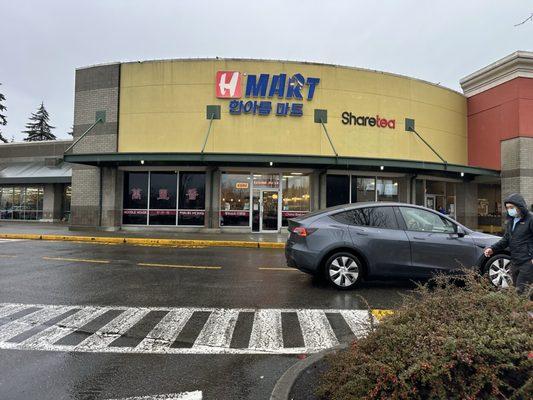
(512, 212)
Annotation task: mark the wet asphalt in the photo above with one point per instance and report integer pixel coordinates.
(66, 273)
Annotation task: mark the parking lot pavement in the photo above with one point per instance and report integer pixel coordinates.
(88, 321)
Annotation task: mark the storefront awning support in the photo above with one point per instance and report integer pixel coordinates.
(212, 112)
(211, 118)
(410, 127)
(329, 138)
(100, 118)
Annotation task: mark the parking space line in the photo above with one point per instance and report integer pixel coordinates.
(7, 256)
(278, 269)
(177, 266)
(77, 260)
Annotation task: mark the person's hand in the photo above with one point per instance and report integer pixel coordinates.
(488, 252)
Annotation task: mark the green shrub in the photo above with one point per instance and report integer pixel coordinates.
(446, 341)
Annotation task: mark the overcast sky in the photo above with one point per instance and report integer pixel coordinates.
(42, 42)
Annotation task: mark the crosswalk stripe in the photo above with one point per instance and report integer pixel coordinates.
(357, 320)
(113, 329)
(316, 329)
(9, 309)
(266, 331)
(311, 329)
(49, 336)
(218, 330)
(166, 331)
(18, 326)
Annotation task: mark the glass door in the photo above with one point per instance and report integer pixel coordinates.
(269, 210)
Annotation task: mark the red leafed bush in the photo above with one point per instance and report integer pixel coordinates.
(453, 338)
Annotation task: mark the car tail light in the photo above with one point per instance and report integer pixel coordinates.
(302, 232)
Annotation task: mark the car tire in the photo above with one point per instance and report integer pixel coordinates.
(498, 271)
(343, 270)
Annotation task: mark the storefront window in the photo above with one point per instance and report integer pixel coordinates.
(235, 200)
(387, 189)
(296, 198)
(192, 198)
(135, 200)
(363, 189)
(163, 186)
(337, 190)
(489, 207)
(18, 202)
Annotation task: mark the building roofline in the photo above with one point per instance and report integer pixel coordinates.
(37, 142)
(515, 65)
(278, 61)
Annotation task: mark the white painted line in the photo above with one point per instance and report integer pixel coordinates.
(196, 395)
(29, 321)
(266, 336)
(218, 330)
(266, 331)
(113, 329)
(44, 339)
(9, 309)
(316, 330)
(357, 320)
(166, 331)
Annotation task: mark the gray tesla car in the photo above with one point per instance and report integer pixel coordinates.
(352, 242)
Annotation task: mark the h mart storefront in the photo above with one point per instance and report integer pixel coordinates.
(244, 145)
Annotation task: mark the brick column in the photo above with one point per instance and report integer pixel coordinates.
(96, 89)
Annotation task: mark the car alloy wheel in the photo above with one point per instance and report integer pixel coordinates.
(343, 270)
(499, 272)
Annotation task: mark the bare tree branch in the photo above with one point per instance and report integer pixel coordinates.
(530, 18)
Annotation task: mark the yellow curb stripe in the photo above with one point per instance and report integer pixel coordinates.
(177, 266)
(77, 260)
(146, 241)
(380, 314)
(278, 269)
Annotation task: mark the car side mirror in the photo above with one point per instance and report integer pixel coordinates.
(460, 231)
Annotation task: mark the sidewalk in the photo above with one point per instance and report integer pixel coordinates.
(60, 231)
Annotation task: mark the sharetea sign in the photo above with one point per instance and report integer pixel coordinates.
(292, 89)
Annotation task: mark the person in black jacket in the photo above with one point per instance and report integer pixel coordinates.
(519, 238)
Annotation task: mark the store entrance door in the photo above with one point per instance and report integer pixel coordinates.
(265, 210)
(269, 210)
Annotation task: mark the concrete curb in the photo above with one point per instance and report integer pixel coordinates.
(283, 386)
(146, 241)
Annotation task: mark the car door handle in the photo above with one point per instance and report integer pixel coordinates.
(419, 238)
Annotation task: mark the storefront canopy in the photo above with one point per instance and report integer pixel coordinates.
(35, 172)
(277, 160)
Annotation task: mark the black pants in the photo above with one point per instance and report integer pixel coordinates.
(522, 275)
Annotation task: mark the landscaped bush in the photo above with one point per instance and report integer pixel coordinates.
(453, 338)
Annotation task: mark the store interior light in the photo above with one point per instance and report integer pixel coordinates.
(142, 162)
(271, 163)
(296, 173)
(462, 174)
(382, 168)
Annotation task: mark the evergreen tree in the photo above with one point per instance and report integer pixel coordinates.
(38, 128)
(3, 119)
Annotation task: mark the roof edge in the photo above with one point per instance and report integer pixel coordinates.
(515, 65)
(282, 61)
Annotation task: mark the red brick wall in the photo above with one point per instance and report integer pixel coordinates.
(502, 112)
